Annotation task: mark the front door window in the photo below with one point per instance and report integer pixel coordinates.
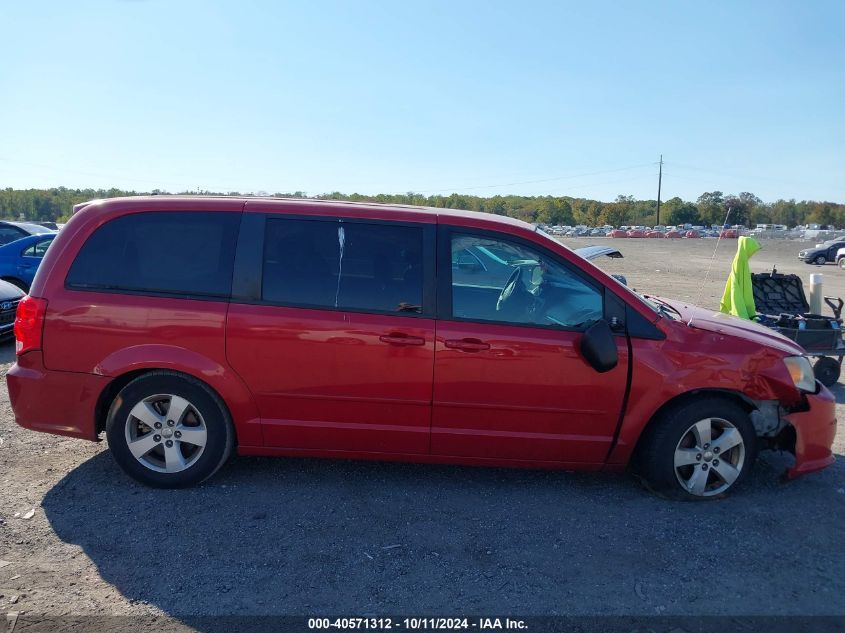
(500, 281)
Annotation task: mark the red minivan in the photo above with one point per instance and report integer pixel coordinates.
(185, 328)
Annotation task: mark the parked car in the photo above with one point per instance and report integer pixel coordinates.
(618, 233)
(728, 233)
(674, 234)
(821, 253)
(11, 231)
(183, 327)
(655, 234)
(486, 263)
(840, 258)
(692, 234)
(20, 259)
(636, 233)
(10, 295)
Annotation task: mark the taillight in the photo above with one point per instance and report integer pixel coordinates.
(29, 324)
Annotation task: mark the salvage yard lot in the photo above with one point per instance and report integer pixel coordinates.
(296, 536)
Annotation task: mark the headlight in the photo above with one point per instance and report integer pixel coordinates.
(802, 373)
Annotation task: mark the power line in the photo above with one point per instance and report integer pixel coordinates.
(531, 182)
(95, 174)
(187, 187)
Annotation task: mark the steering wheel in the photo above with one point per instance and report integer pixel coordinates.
(509, 290)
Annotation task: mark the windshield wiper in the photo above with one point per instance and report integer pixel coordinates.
(664, 307)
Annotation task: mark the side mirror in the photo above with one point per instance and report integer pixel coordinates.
(598, 347)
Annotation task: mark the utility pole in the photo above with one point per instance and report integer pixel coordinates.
(659, 183)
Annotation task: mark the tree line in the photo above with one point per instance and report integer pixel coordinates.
(713, 207)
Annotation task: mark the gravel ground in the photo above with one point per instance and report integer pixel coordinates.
(297, 536)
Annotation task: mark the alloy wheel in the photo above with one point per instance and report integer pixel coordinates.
(166, 433)
(709, 457)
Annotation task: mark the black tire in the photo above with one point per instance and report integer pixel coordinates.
(820, 260)
(841, 263)
(656, 452)
(827, 370)
(215, 417)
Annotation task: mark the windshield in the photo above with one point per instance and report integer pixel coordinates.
(34, 229)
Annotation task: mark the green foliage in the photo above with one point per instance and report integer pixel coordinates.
(711, 207)
(677, 212)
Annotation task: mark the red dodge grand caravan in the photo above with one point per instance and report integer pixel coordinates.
(186, 328)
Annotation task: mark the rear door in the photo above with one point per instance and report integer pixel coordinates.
(336, 342)
(509, 381)
(30, 258)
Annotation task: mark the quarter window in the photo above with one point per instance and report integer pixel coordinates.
(346, 265)
(160, 252)
(501, 281)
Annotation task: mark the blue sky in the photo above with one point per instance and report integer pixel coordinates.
(562, 98)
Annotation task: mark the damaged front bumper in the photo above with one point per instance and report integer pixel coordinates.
(815, 430)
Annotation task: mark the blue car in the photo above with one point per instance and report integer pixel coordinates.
(20, 259)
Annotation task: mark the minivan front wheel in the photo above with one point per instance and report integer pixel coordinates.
(701, 449)
(168, 430)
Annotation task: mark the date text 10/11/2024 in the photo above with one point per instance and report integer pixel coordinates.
(417, 623)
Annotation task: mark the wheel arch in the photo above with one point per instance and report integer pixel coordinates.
(728, 395)
(17, 281)
(222, 381)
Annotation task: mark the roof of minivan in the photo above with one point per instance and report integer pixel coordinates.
(409, 212)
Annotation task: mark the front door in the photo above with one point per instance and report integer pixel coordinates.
(509, 381)
(339, 349)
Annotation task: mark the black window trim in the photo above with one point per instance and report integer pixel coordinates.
(249, 262)
(444, 280)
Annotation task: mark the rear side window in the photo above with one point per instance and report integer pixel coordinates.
(351, 265)
(160, 252)
(39, 249)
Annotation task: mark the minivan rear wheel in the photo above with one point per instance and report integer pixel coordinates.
(168, 430)
(699, 450)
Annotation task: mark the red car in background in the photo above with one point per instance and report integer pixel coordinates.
(674, 234)
(728, 233)
(618, 233)
(636, 233)
(188, 328)
(692, 234)
(655, 234)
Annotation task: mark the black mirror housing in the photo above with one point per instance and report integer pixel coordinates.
(598, 347)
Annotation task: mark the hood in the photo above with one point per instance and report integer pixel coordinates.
(594, 252)
(10, 292)
(728, 325)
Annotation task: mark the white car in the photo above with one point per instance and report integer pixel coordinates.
(840, 258)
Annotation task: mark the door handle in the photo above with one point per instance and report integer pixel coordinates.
(401, 339)
(467, 344)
